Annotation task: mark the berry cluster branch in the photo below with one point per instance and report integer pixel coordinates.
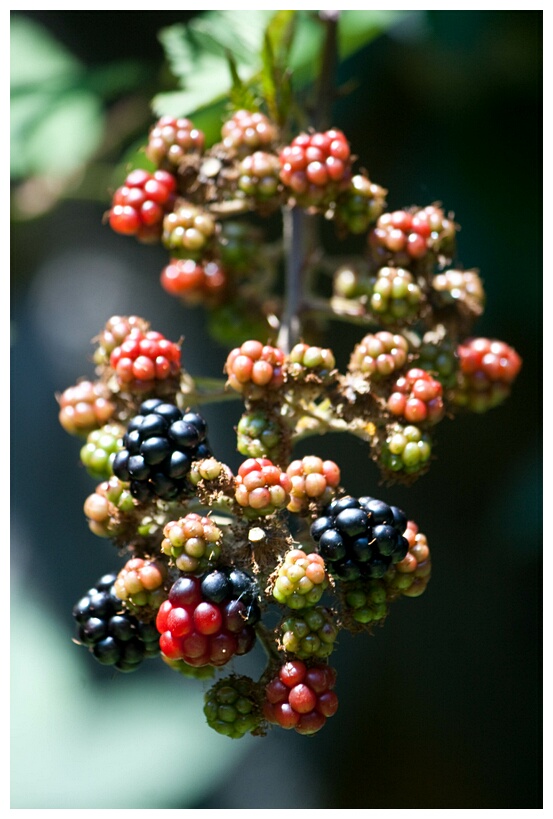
(213, 555)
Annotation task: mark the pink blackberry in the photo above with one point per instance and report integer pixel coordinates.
(85, 407)
(301, 697)
(140, 204)
(105, 507)
(316, 168)
(417, 397)
(206, 621)
(115, 331)
(312, 479)
(460, 288)
(140, 585)
(487, 369)
(171, 139)
(246, 132)
(255, 369)
(261, 488)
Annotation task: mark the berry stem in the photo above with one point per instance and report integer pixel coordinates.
(299, 241)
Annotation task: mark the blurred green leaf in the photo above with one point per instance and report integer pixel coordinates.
(294, 40)
(36, 58)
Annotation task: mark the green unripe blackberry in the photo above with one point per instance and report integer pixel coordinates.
(231, 707)
(358, 207)
(364, 602)
(395, 297)
(193, 542)
(187, 231)
(257, 435)
(100, 449)
(406, 450)
(301, 580)
(439, 358)
(311, 634)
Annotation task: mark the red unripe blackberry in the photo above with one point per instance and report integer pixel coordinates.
(316, 167)
(140, 204)
(487, 368)
(195, 282)
(379, 355)
(301, 697)
(403, 237)
(207, 620)
(115, 331)
(171, 139)
(312, 479)
(246, 132)
(85, 407)
(300, 580)
(188, 231)
(142, 359)
(260, 487)
(255, 368)
(417, 397)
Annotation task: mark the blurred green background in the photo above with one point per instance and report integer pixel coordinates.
(443, 707)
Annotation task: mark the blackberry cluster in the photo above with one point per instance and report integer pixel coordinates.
(112, 635)
(158, 450)
(360, 537)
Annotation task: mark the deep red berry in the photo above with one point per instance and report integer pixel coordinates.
(417, 397)
(140, 204)
(301, 697)
(316, 167)
(487, 368)
(145, 357)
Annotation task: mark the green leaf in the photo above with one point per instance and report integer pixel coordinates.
(36, 57)
(356, 29)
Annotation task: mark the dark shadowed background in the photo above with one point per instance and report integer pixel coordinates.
(442, 708)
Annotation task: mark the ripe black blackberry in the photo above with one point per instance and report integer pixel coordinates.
(158, 450)
(112, 635)
(360, 537)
